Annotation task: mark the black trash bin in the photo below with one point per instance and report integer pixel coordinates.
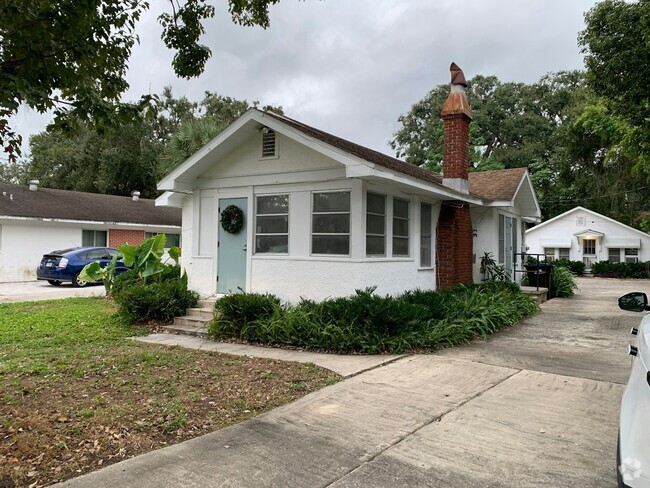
(539, 275)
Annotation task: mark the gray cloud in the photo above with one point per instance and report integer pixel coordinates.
(351, 67)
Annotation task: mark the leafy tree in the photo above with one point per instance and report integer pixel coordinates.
(616, 43)
(513, 123)
(71, 56)
(131, 156)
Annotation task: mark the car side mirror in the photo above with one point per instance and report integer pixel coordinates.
(634, 302)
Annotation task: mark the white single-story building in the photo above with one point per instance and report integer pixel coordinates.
(35, 221)
(323, 216)
(584, 235)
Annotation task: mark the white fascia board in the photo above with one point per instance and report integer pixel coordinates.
(169, 182)
(595, 214)
(171, 199)
(88, 222)
(396, 177)
(526, 177)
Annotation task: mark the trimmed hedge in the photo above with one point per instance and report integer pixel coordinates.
(368, 323)
(576, 267)
(608, 269)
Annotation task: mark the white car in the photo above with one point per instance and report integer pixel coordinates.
(633, 451)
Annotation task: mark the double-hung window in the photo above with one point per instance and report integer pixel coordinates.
(564, 253)
(614, 254)
(330, 229)
(272, 224)
(375, 225)
(549, 253)
(631, 255)
(425, 235)
(400, 227)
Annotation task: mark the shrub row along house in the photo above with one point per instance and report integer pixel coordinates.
(35, 221)
(271, 204)
(584, 235)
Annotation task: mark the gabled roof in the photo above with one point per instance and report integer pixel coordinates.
(362, 152)
(48, 203)
(499, 184)
(591, 212)
(496, 188)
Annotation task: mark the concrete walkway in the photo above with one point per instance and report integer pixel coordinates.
(536, 406)
(345, 365)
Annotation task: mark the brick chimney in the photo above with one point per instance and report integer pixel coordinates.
(457, 116)
(454, 235)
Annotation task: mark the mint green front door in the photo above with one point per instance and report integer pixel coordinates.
(232, 251)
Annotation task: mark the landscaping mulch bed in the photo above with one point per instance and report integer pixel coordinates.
(73, 404)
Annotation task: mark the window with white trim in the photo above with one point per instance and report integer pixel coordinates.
(375, 225)
(269, 143)
(330, 228)
(564, 253)
(425, 235)
(272, 224)
(614, 254)
(631, 255)
(589, 247)
(97, 238)
(400, 227)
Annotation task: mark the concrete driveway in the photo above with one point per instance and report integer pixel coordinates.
(41, 290)
(534, 406)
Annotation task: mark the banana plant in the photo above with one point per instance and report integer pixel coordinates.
(94, 272)
(145, 259)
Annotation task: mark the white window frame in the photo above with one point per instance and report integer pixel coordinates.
(384, 216)
(631, 254)
(609, 254)
(548, 254)
(559, 253)
(311, 224)
(423, 252)
(288, 215)
(408, 228)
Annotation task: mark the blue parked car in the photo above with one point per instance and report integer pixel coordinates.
(65, 265)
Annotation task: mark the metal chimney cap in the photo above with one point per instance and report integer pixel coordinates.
(33, 185)
(136, 195)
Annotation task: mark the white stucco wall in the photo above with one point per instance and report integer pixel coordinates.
(565, 227)
(292, 279)
(23, 244)
(298, 172)
(485, 221)
(24, 241)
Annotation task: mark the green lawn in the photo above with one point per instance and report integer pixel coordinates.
(78, 394)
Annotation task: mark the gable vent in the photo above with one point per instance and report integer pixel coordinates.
(269, 143)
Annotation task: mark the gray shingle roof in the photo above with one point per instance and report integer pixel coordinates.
(49, 203)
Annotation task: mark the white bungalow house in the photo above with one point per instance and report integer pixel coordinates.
(323, 216)
(584, 235)
(35, 221)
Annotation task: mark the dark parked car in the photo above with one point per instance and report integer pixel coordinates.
(65, 265)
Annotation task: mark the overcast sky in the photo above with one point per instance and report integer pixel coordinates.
(351, 67)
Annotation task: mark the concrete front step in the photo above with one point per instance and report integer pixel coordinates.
(195, 321)
(207, 303)
(199, 312)
(191, 330)
(540, 295)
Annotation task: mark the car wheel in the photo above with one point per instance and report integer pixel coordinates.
(78, 282)
(54, 282)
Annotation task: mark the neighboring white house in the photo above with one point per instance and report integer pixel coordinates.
(584, 235)
(40, 220)
(324, 216)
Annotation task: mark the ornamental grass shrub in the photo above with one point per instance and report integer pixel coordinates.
(369, 323)
(563, 282)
